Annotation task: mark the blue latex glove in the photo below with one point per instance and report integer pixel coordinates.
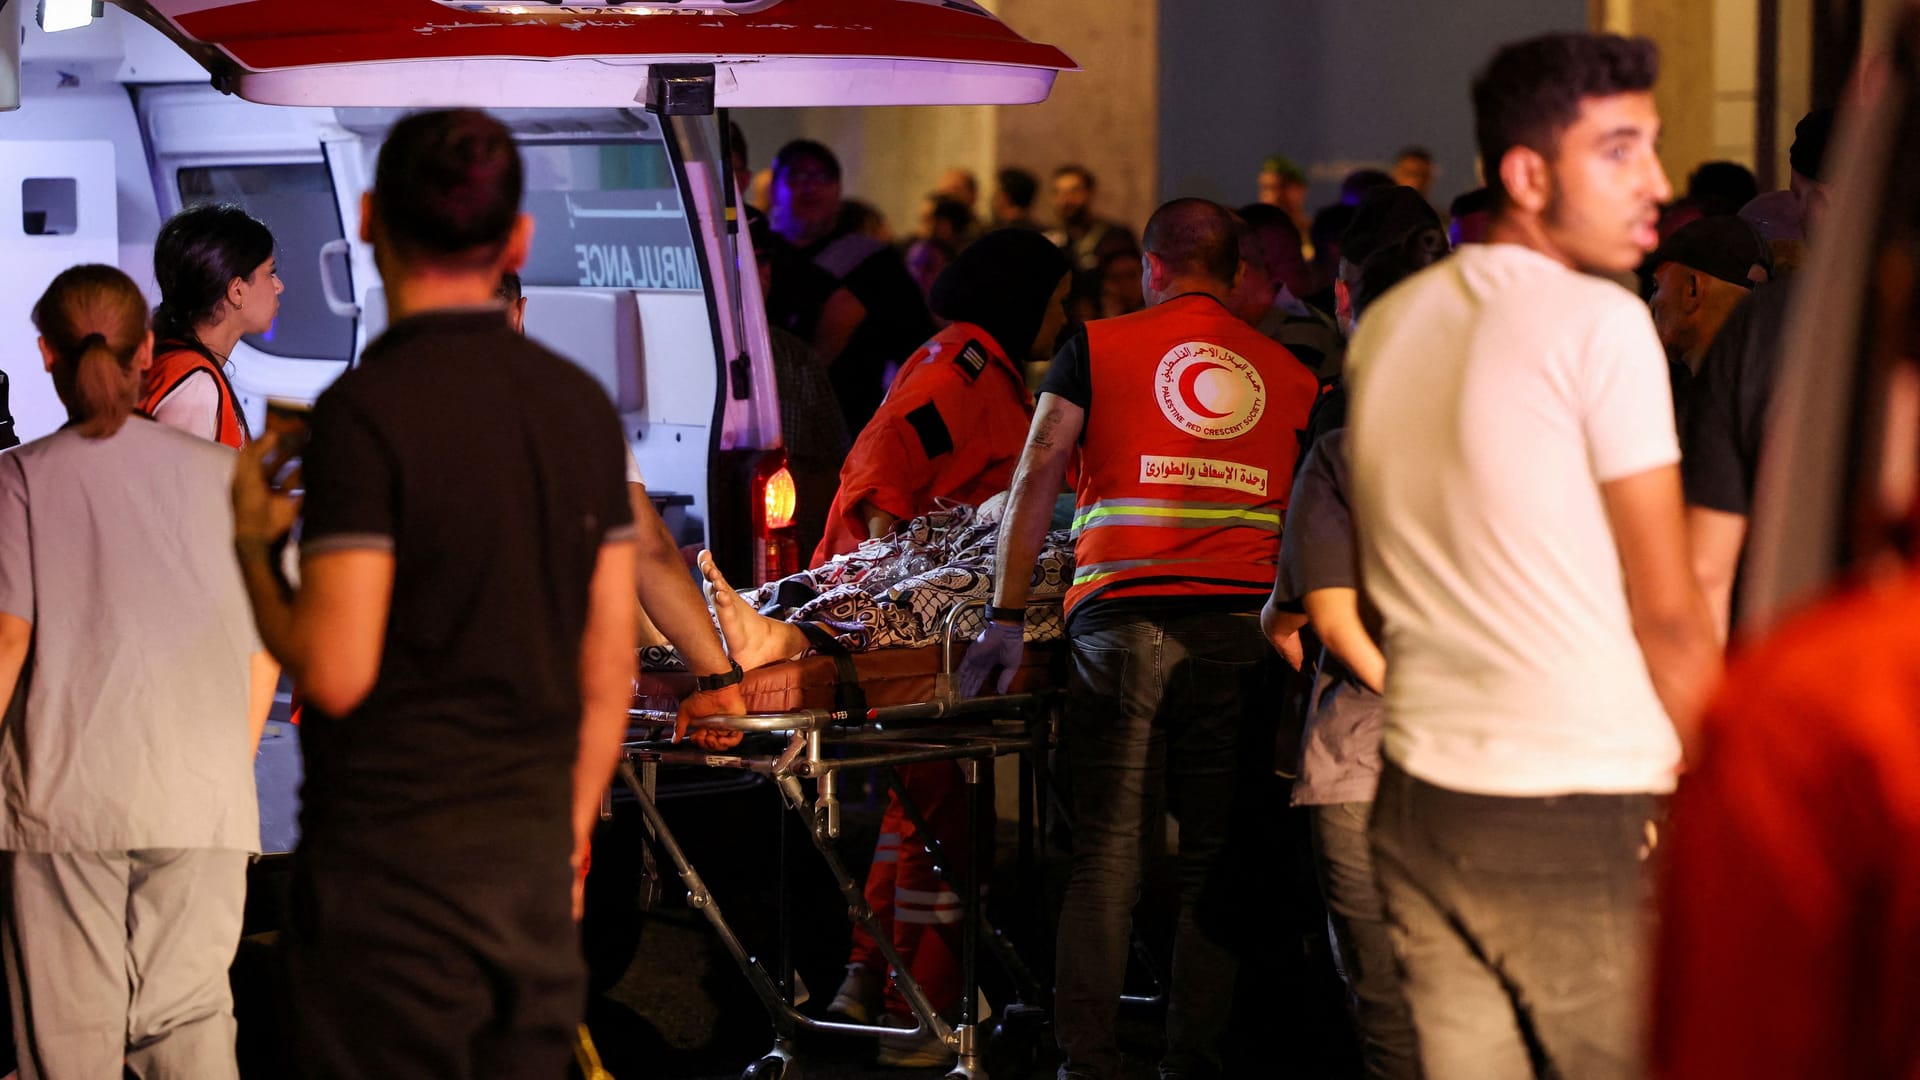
(1000, 645)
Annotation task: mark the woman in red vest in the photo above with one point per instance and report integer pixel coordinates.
(218, 283)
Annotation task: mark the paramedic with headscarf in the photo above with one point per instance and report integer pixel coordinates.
(951, 428)
(949, 431)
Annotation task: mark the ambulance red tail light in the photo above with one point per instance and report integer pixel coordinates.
(776, 548)
(780, 499)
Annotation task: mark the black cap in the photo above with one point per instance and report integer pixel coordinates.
(1385, 217)
(1810, 135)
(1722, 246)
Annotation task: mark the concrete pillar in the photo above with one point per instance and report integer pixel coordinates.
(1105, 116)
(1686, 92)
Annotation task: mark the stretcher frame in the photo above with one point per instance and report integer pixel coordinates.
(933, 730)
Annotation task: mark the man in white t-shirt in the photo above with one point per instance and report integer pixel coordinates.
(1518, 505)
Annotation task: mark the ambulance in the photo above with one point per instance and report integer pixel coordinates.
(122, 115)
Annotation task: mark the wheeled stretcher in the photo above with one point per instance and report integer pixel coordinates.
(816, 717)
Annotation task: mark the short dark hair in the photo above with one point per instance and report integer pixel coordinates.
(1395, 263)
(447, 186)
(1195, 236)
(1417, 153)
(1260, 217)
(1477, 201)
(1359, 182)
(1721, 187)
(1328, 226)
(1081, 171)
(810, 149)
(952, 211)
(1808, 154)
(1019, 186)
(509, 288)
(1530, 92)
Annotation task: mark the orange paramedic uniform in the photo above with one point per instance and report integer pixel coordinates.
(173, 363)
(1789, 929)
(950, 430)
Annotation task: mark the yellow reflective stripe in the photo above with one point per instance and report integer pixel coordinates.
(1205, 512)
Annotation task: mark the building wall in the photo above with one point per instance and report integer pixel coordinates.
(1102, 116)
(1335, 86)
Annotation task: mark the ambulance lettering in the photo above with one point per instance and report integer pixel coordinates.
(631, 266)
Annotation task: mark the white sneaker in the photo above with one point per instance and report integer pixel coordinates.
(858, 998)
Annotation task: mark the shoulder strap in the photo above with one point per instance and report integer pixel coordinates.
(229, 400)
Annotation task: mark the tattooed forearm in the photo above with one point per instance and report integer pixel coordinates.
(1045, 427)
(1042, 470)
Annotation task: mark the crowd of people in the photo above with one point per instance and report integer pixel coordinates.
(1482, 478)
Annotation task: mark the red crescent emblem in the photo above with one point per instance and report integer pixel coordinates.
(1188, 381)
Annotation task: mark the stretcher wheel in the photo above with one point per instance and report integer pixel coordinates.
(1013, 1045)
(768, 1068)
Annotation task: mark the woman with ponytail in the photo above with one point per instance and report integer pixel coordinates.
(218, 283)
(135, 691)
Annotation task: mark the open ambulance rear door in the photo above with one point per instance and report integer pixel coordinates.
(700, 401)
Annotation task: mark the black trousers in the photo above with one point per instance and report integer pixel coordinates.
(400, 972)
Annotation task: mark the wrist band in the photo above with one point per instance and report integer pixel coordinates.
(721, 681)
(1006, 614)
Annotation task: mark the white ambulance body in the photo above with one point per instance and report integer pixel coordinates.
(635, 274)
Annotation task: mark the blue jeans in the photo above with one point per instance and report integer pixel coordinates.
(1521, 927)
(1155, 722)
(1358, 919)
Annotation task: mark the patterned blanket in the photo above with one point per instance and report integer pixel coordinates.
(897, 591)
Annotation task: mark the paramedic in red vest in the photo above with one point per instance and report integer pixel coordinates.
(218, 283)
(951, 428)
(1186, 420)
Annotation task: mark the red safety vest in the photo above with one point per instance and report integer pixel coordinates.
(173, 363)
(950, 431)
(1187, 454)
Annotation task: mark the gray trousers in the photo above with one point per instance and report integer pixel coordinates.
(118, 959)
(1521, 927)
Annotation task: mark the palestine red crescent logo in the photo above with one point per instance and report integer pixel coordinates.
(1209, 391)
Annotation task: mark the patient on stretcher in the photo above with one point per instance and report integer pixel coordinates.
(893, 592)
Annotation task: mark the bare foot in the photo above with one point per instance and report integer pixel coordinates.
(753, 640)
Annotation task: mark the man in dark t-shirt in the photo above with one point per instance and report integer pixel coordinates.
(463, 637)
(1720, 444)
(1729, 397)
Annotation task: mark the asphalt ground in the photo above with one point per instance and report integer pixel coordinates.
(669, 1002)
(681, 1008)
